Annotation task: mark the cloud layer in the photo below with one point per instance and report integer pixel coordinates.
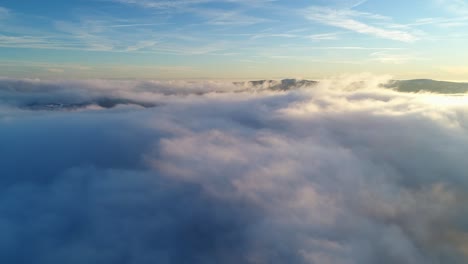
(341, 172)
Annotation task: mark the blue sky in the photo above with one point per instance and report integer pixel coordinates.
(233, 39)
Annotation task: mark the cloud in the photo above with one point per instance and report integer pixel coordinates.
(341, 172)
(187, 3)
(162, 4)
(216, 17)
(226, 18)
(347, 19)
(344, 3)
(142, 45)
(325, 36)
(459, 7)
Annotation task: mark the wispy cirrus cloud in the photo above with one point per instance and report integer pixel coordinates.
(350, 19)
(142, 45)
(459, 7)
(218, 17)
(325, 36)
(359, 2)
(186, 3)
(42, 42)
(161, 4)
(273, 35)
(212, 16)
(112, 36)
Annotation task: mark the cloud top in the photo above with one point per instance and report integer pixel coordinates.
(343, 171)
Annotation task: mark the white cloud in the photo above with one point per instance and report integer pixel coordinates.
(459, 7)
(162, 4)
(273, 35)
(342, 172)
(142, 45)
(212, 16)
(325, 36)
(227, 18)
(347, 19)
(187, 3)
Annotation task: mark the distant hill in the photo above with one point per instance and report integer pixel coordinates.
(426, 85)
(275, 85)
(33, 100)
(101, 102)
(409, 86)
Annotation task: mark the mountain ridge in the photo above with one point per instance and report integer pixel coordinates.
(410, 86)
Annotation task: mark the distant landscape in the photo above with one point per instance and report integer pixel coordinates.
(411, 86)
(76, 100)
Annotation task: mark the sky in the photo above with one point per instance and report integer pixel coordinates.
(233, 39)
